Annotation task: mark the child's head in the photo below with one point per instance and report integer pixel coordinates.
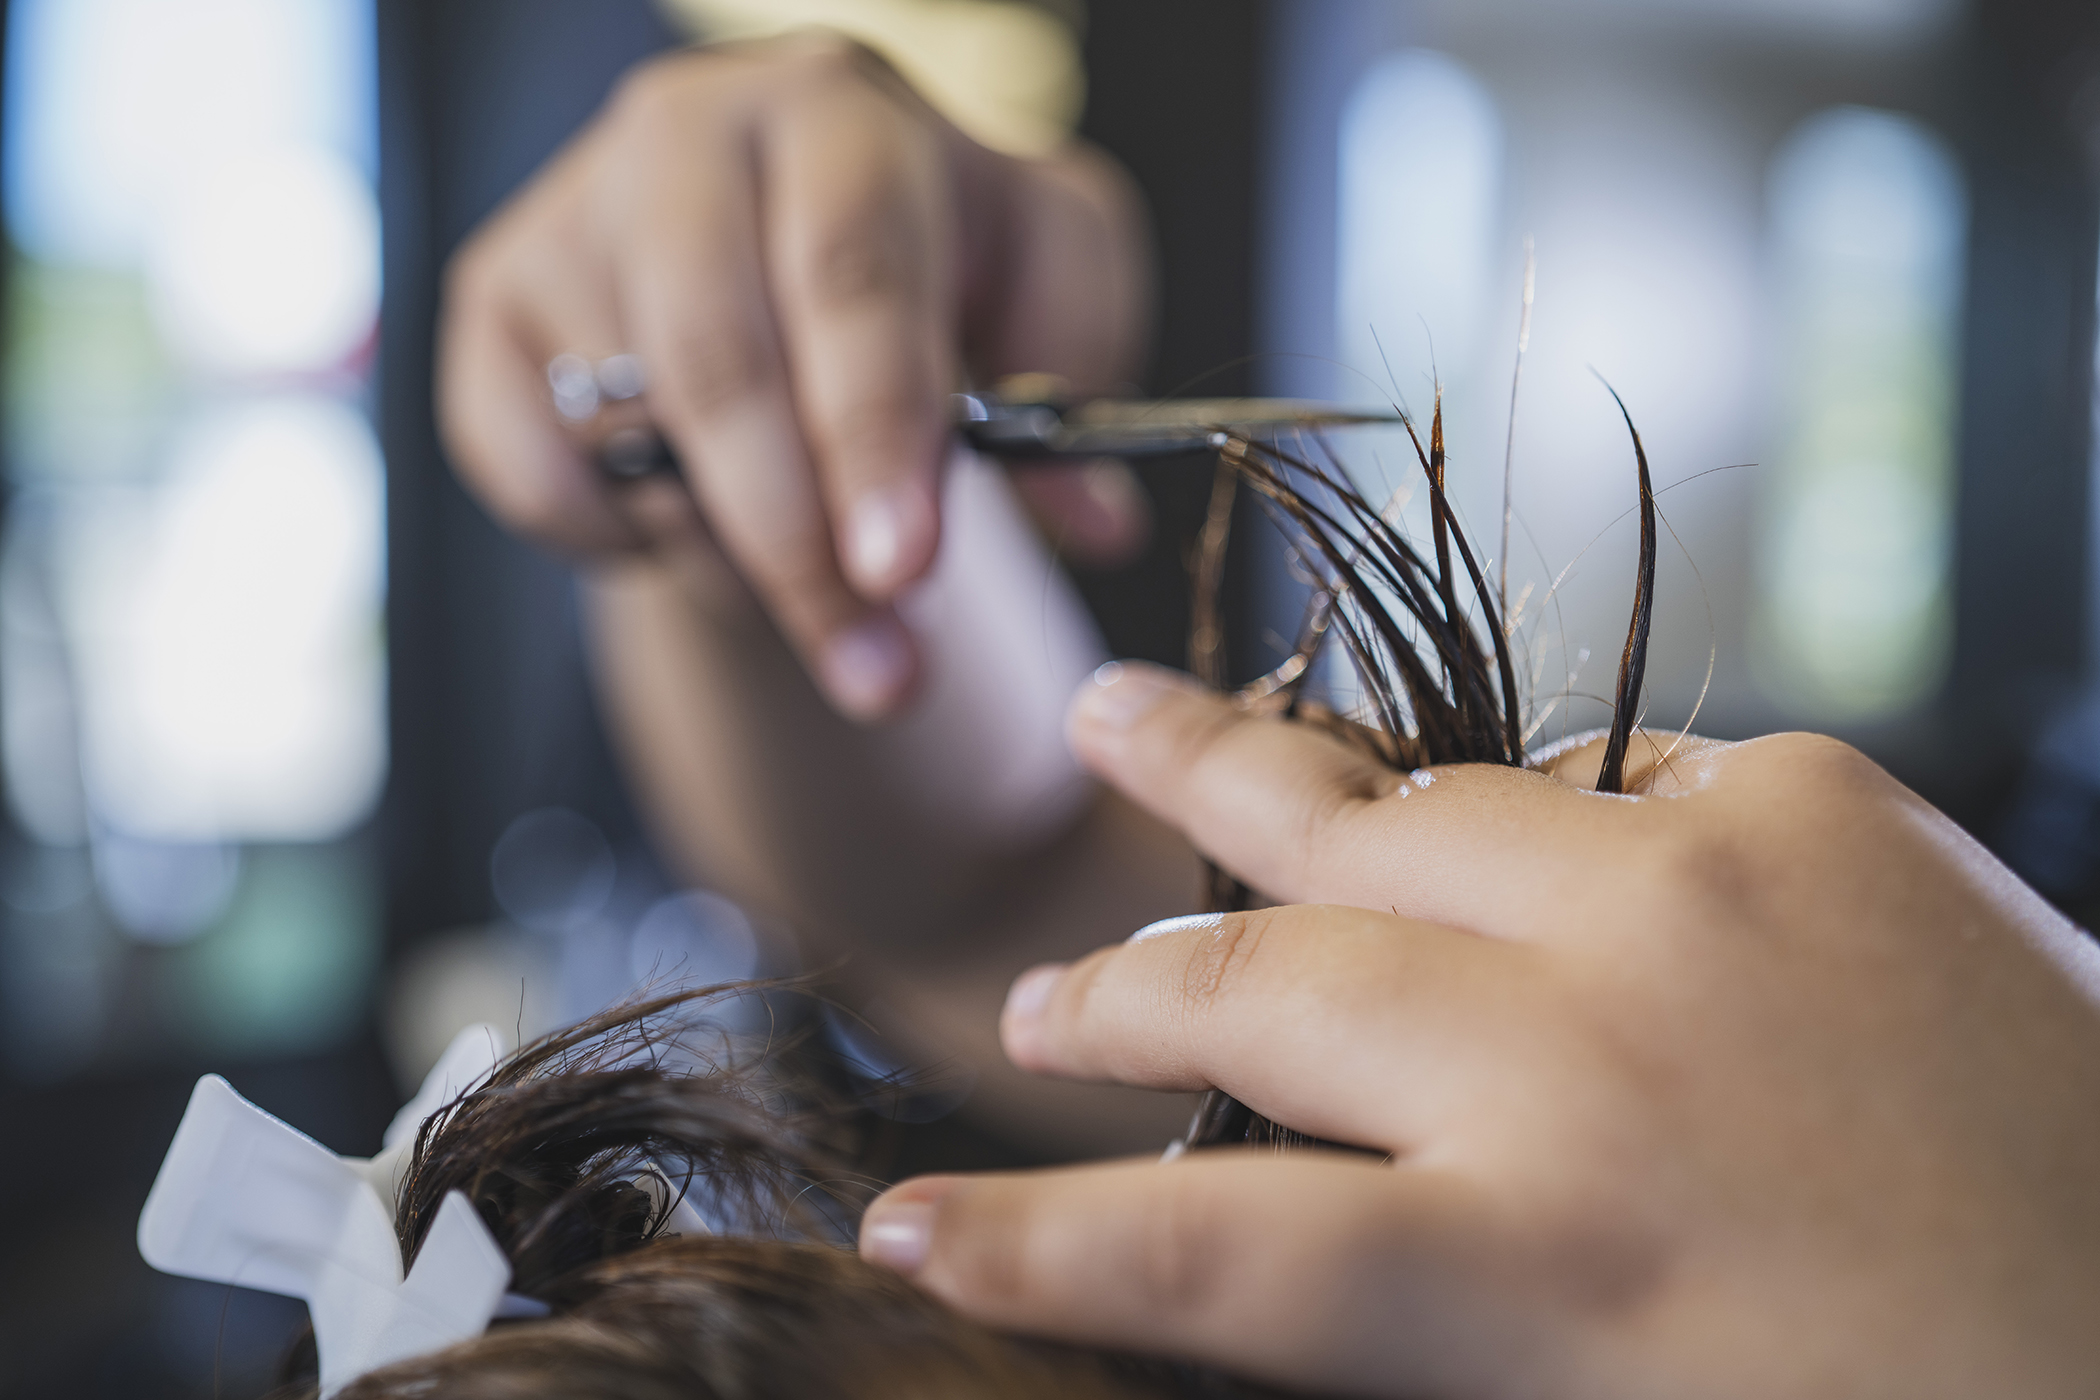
(574, 1153)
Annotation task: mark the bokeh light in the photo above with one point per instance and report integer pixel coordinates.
(1868, 227)
(268, 263)
(694, 938)
(117, 107)
(552, 871)
(232, 678)
(192, 580)
(1420, 192)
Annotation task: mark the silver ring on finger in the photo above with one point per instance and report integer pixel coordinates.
(583, 387)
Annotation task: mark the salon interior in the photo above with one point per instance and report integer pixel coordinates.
(303, 765)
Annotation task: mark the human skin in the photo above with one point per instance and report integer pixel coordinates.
(1764, 1080)
(808, 259)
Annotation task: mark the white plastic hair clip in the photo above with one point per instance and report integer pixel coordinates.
(244, 1198)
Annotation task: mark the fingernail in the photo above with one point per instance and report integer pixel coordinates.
(867, 667)
(1121, 693)
(1185, 923)
(883, 524)
(1030, 992)
(896, 1234)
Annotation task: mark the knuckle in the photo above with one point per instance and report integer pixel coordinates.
(1697, 866)
(709, 376)
(657, 90)
(1581, 1248)
(1805, 804)
(1831, 764)
(887, 427)
(824, 58)
(1217, 965)
(1199, 743)
(854, 263)
(1807, 798)
(1176, 1257)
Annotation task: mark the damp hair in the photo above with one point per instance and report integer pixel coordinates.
(1437, 685)
(574, 1151)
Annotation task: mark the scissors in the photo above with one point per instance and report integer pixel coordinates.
(1027, 432)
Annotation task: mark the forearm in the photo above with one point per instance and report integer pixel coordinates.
(754, 786)
(751, 783)
(825, 821)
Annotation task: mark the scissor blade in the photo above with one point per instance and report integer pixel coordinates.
(1140, 428)
(1229, 414)
(1027, 432)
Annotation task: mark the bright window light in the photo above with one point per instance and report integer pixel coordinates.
(115, 107)
(695, 938)
(1868, 232)
(191, 597)
(268, 263)
(231, 672)
(1420, 186)
(192, 659)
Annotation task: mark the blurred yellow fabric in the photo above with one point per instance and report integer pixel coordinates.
(1007, 73)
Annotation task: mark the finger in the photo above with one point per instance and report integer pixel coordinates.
(1337, 1022)
(693, 300)
(1319, 1270)
(1094, 513)
(1306, 818)
(564, 302)
(499, 427)
(1655, 764)
(862, 261)
(1075, 296)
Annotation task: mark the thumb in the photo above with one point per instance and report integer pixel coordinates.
(1307, 819)
(1319, 1271)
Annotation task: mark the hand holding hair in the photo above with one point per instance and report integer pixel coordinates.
(1762, 1080)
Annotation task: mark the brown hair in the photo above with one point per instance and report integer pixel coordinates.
(1434, 691)
(574, 1151)
(575, 1148)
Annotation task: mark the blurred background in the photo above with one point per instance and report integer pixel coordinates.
(301, 765)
